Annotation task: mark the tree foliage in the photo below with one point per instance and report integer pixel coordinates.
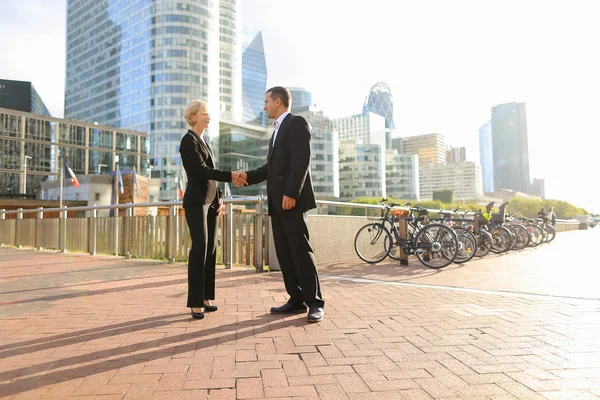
(526, 206)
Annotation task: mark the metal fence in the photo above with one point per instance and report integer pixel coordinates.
(241, 233)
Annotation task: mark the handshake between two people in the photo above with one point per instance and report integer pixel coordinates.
(239, 178)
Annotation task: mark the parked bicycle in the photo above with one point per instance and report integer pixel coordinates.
(435, 245)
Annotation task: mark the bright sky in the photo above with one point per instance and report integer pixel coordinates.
(446, 62)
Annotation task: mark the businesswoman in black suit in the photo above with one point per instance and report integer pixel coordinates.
(203, 202)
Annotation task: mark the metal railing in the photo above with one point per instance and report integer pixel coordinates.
(241, 234)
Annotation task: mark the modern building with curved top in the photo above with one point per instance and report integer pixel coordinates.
(136, 64)
(380, 101)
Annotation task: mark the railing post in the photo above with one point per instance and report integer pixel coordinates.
(63, 230)
(92, 233)
(37, 231)
(229, 243)
(116, 216)
(258, 236)
(170, 233)
(19, 218)
(127, 232)
(2, 217)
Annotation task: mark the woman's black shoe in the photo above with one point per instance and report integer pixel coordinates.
(197, 315)
(210, 308)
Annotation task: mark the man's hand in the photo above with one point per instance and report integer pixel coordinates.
(221, 209)
(288, 203)
(239, 178)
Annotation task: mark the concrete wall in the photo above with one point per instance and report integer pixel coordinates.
(564, 226)
(331, 236)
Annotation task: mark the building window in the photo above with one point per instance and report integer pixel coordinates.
(97, 197)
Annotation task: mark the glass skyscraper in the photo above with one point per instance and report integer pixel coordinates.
(301, 98)
(254, 80)
(136, 64)
(510, 148)
(486, 156)
(381, 102)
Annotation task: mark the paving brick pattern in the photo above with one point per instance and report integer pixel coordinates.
(80, 327)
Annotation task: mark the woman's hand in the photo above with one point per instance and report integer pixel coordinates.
(221, 209)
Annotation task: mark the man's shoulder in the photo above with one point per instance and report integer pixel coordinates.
(298, 121)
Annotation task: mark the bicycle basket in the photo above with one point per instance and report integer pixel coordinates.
(400, 213)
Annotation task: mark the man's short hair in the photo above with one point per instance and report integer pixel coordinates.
(279, 92)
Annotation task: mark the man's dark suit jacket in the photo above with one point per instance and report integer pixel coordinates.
(287, 170)
(201, 173)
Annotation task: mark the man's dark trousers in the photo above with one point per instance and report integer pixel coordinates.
(296, 258)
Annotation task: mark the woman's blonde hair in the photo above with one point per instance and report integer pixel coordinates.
(192, 109)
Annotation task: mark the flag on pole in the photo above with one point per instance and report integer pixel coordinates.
(120, 180)
(136, 184)
(180, 184)
(71, 175)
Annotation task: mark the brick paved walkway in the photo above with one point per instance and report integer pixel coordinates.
(80, 327)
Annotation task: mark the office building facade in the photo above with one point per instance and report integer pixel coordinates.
(244, 147)
(456, 155)
(33, 146)
(431, 148)
(510, 147)
(366, 129)
(301, 98)
(362, 170)
(486, 156)
(324, 153)
(138, 64)
(463, 179)
(402, 175)
(21, 96)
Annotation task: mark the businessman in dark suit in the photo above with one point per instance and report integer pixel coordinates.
(203, 202)
(290, 194)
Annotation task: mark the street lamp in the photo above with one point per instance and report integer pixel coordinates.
(25, 174)
(100, 167)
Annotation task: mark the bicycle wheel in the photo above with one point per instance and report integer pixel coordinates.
(502, 239)
(521, 234)
(484, 243)
(372, 243)
(535, 234)
(436, 245)
(551, 232)
(467, 245)
(544, 234)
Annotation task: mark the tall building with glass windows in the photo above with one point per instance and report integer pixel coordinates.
(368, 129)
(254, 79)
(380, 101)
(301, 98)
(21, 96)
(244, 147)
(362, 170)
(324, 165)
(136, 64)
(401, 175)
(486, 156)
(33, 146)
(431, 148)
(510, 147)
(230, 55)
